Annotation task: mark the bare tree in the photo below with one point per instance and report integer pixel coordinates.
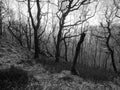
(73, 70)
(109, 15)
(35, 26)
(111, 50)
(14, 31)
(65, 7)
(28, 34)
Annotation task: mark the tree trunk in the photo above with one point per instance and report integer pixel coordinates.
(111, 51)
(27, 38)
(73, 70)
(65, 51)
(30, 35)
(96, 50)
(36, 44)
(57, 54)
(35, 26)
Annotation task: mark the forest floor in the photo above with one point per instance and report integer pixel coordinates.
(44, 74)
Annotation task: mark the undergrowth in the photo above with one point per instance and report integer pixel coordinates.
(86, 72)
(13, 78)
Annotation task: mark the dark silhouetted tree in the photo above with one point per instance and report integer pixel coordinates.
(35, 25)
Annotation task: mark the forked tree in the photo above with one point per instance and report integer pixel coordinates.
(109, 18)
(35, 25)
(64, 9)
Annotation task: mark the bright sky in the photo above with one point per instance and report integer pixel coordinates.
(14, 5)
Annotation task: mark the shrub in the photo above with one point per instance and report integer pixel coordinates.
(13, 77)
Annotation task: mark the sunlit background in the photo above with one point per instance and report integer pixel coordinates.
(14, 5)
(19, 11)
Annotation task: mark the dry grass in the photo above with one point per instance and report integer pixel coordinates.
(86, 72)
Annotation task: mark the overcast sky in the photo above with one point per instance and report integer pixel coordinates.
(93, 21)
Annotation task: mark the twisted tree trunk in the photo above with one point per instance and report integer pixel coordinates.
(73, 70)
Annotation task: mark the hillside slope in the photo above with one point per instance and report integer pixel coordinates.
(12, 54)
